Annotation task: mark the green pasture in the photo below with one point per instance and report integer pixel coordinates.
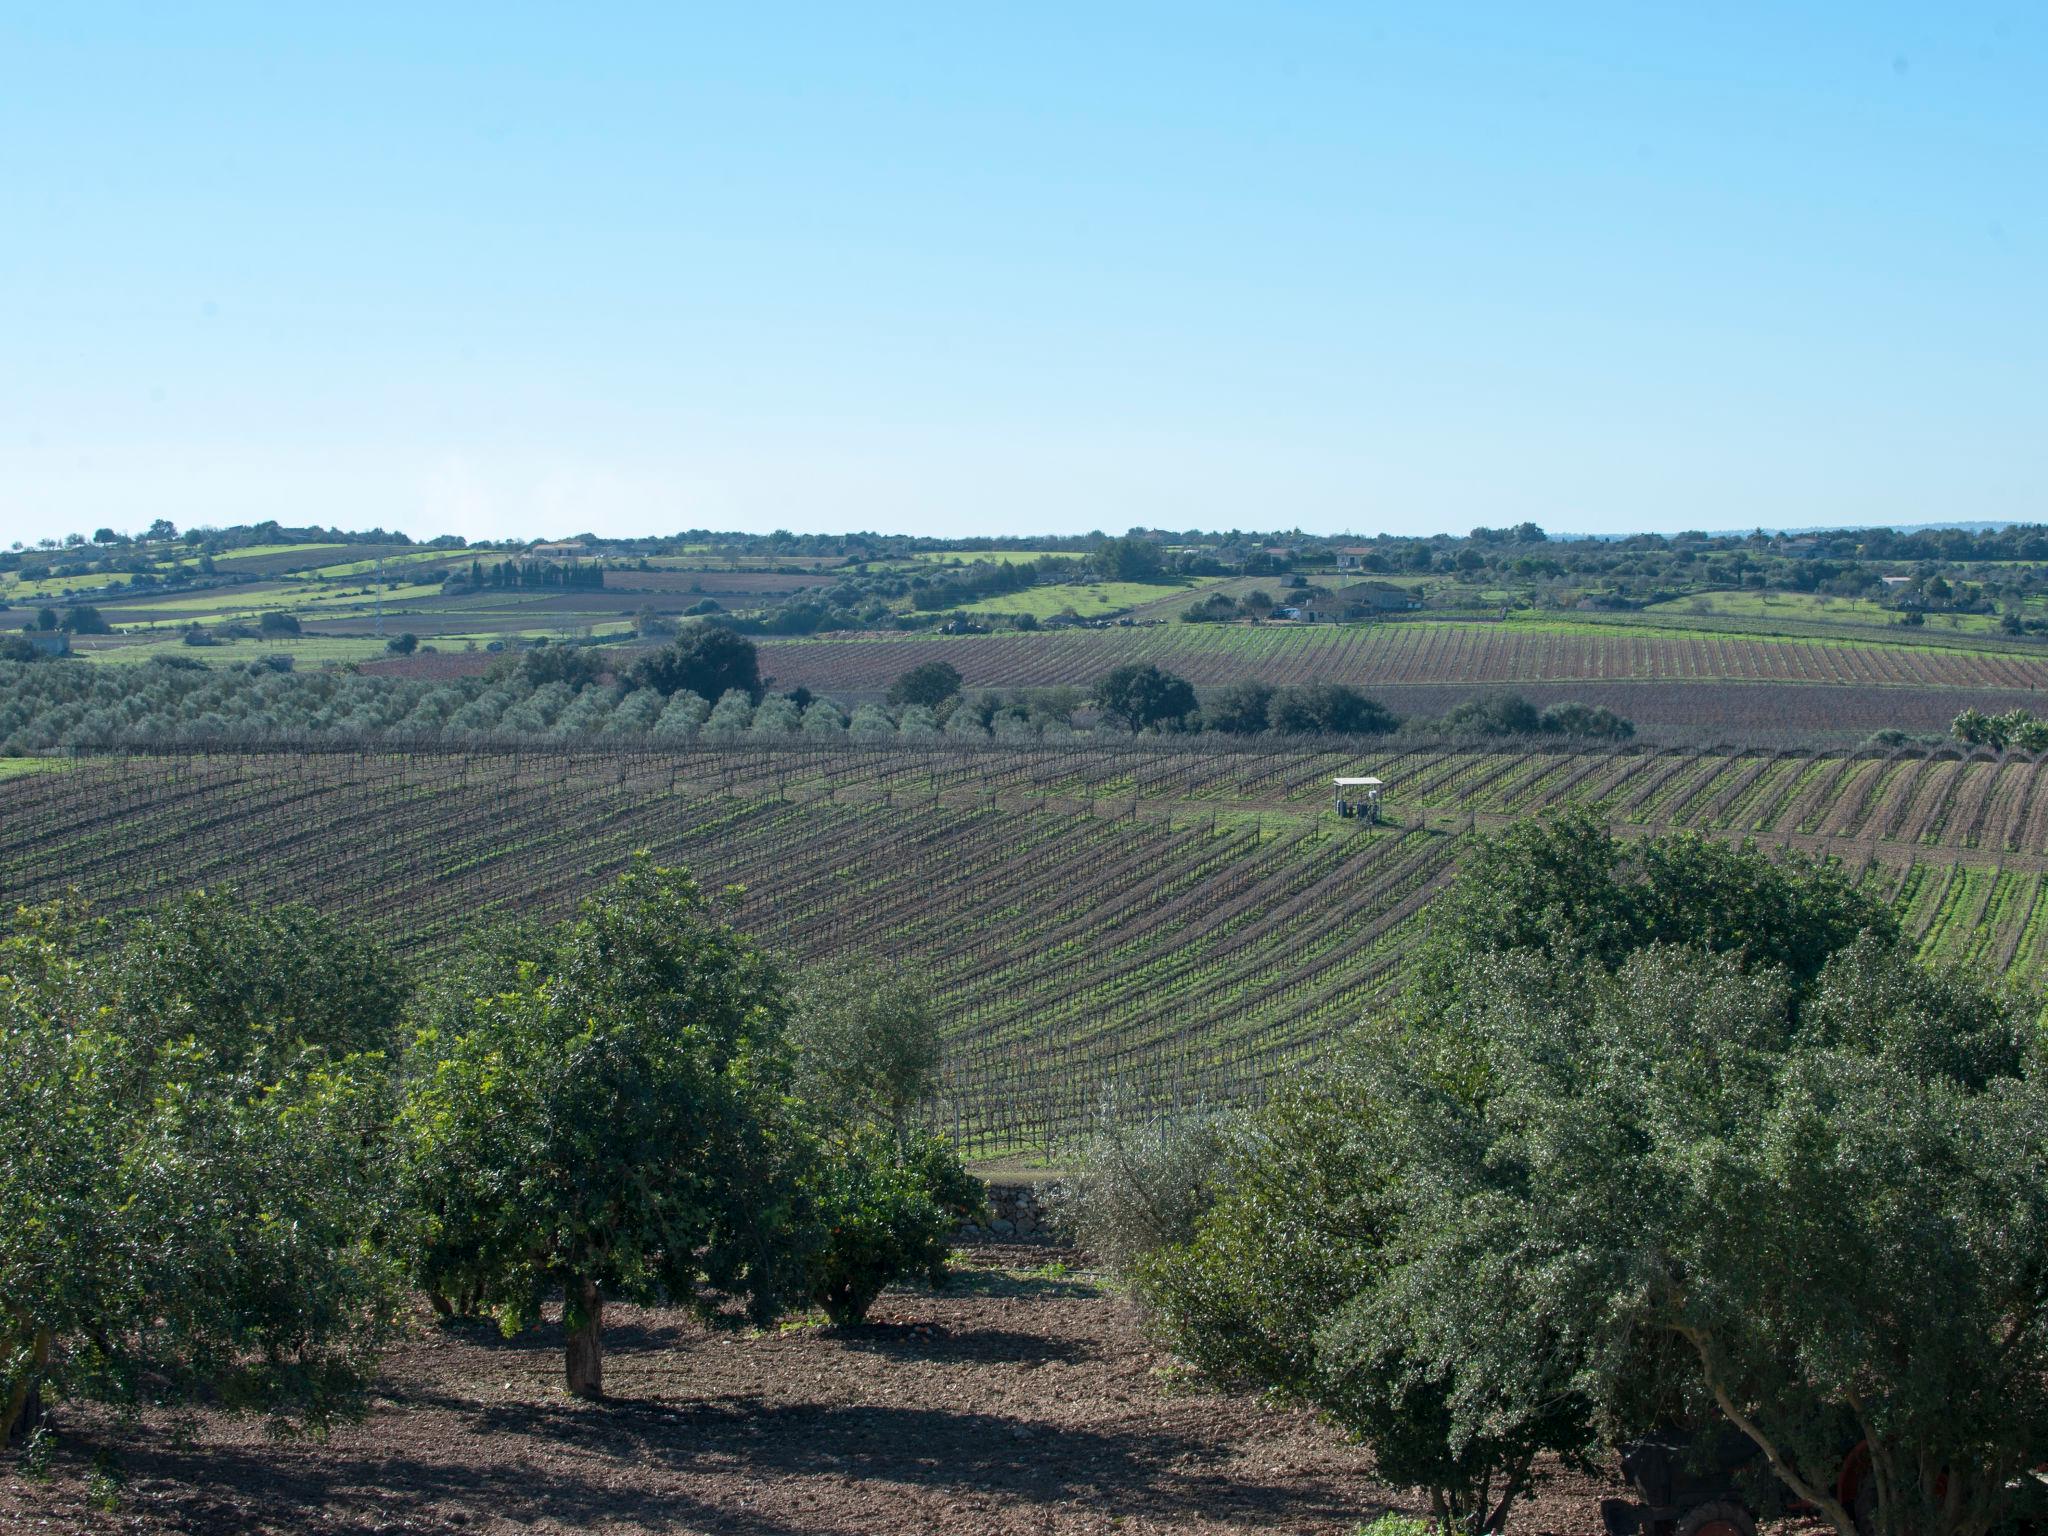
(410, 557)
(305, 650)
(1096, 600)
(266, 551)
(1813, 608)
(16, 767)
(247, 602)
(16, 591)
(992, 556)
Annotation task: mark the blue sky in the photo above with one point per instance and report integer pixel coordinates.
(989, 269)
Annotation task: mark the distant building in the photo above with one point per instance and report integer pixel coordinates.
(571, 548)
(1380, 598)
(51, 642)
(1351, 557)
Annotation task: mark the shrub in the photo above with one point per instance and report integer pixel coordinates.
(1139, 1184)
(1589, 720)
(1240, 709)
(1286, 1285)
(172, 1227)
(1330, 709)
(886, 1209)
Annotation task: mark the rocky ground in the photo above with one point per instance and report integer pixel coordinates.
(1023, 1399)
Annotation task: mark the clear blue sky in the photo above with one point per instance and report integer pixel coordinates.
(996, 268)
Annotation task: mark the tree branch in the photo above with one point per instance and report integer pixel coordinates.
(1826, 1503)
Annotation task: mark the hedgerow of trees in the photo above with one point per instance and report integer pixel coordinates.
(569, 692)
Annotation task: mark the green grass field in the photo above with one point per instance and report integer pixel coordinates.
(1096, 600)
(1812, 608)
(16, 767)
(991, 556)
(348, 568)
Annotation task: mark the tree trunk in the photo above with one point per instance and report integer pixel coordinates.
(23, 1405)
(583, 1318)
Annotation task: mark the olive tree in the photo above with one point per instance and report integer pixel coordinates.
(604, 1118)
(171, 1224)
(1836, 1210)
(885, 1193)
(866, 1041)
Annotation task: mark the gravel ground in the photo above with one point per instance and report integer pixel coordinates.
(1019, 1400)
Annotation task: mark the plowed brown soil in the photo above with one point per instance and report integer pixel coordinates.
(1016, 1401)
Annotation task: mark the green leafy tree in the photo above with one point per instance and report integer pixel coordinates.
(276, 622)
(708, 660)
(1140, 697)
(256, 984)
(1240, 709)
(866, 1041)
(1834, 1211)
(172, 1227)
(1294, 1284)
(81, 619)
(1566, 889)
(1330, 709)
(606, 1120)
(402, 645)
(930, 684)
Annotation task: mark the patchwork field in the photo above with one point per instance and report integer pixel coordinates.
(1165, 923)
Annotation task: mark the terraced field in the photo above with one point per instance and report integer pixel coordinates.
(1167, 922)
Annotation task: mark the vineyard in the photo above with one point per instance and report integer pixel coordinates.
(1169, 921)
(1389, 653)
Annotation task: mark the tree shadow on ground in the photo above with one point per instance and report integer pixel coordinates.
(630, 1463)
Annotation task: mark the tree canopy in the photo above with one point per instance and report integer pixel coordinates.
(606, 1119)
(707, 660)
(172, 1225)
(930, 684)
(1138, 697)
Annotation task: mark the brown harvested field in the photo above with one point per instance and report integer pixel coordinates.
(1020, 1400)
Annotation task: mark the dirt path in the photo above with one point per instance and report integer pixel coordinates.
(1018, 1401)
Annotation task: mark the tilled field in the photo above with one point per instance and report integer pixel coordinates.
(1020, 1400)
